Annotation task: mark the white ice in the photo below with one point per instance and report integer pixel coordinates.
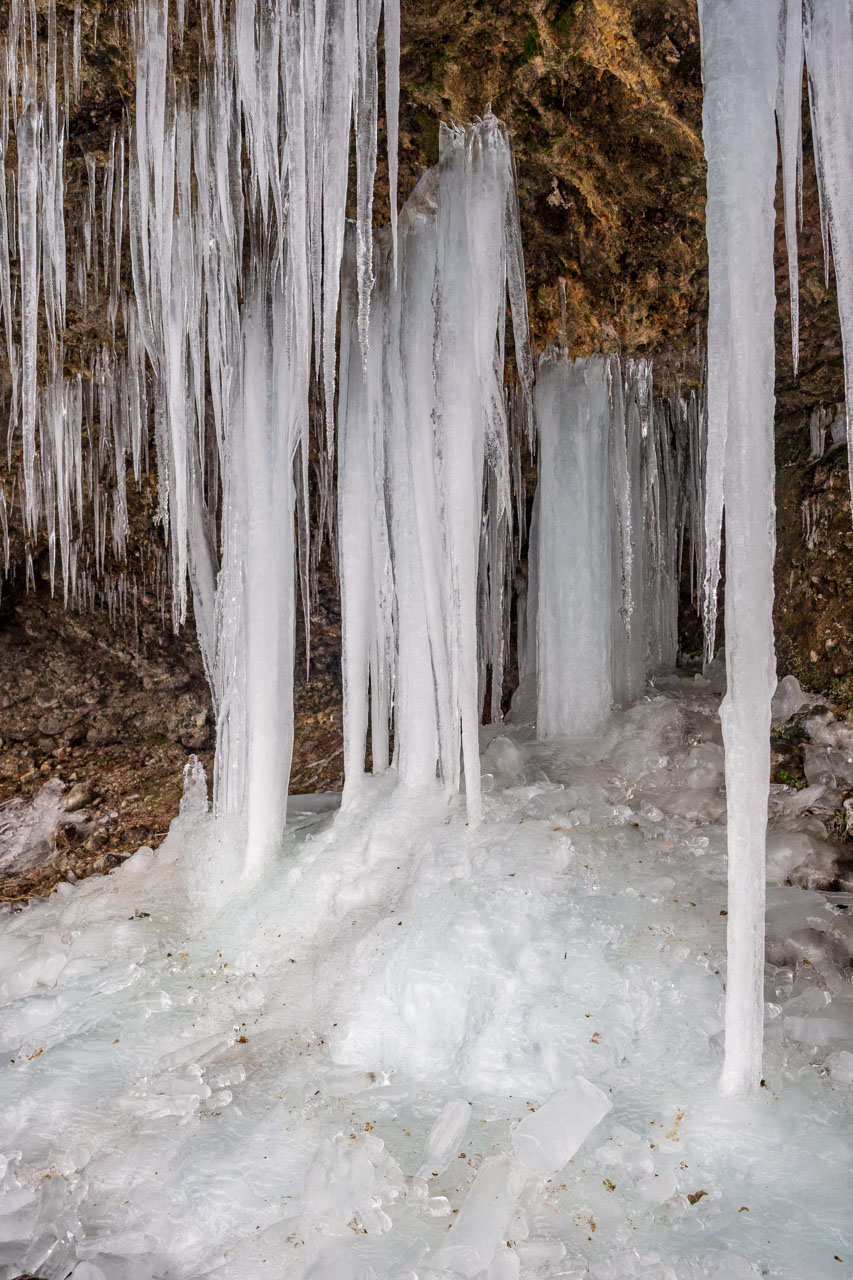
(311, 1081)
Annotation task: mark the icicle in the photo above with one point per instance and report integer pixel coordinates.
(366, 115)
(27, 131)
(77, 47)
(739, 55)
(392, 107)
(419, 420)
(789, 116)
(4, 525)
(626, 451)
(829, 55)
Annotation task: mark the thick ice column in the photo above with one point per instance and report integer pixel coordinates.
(575, 555)
(256, 587)
(739, 56)
(829, 54)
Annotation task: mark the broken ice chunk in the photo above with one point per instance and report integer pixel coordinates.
(840, 1066)
(483, 1218)
(548, 1138)
(788, 699)
(444, 1137)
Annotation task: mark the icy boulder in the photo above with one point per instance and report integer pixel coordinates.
(548, 1138)
(801, 857)
(829, 766)
(826, 731)
(788, 699)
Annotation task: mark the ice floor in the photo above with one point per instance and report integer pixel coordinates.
(324, 1079)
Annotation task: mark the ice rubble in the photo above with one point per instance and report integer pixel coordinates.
(316, 1080)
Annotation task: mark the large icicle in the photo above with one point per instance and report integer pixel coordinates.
(739, 55)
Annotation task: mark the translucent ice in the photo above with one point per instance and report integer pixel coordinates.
(548, 1138)
(445, 1137)
(481, 1224)
(788, 699)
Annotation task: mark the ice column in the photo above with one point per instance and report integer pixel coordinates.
(256, 585)
(420, 421)
(739, 56)
(575, 552)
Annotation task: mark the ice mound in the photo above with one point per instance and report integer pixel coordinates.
(426, 1050)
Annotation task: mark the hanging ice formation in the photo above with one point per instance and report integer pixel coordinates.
(235, 274)
(79, 418)
(423, 434)
(753, 67)
(617, 500)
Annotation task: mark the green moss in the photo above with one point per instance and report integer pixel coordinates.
(428, 125)
(565, 17)
(532, 47)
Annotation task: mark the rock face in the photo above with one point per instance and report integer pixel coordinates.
(603, 101)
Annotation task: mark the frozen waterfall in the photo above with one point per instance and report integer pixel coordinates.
(421, 422)
(617, 504)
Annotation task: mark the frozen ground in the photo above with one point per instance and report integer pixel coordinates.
(325, 1079)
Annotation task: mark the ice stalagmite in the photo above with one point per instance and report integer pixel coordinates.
(420, 423)
(739, 57)
(575, 548)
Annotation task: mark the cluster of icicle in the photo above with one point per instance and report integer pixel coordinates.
(753, 59)
(230, 206)
(280, 86)
(424, 473)
(72, 434)
(619, 503)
